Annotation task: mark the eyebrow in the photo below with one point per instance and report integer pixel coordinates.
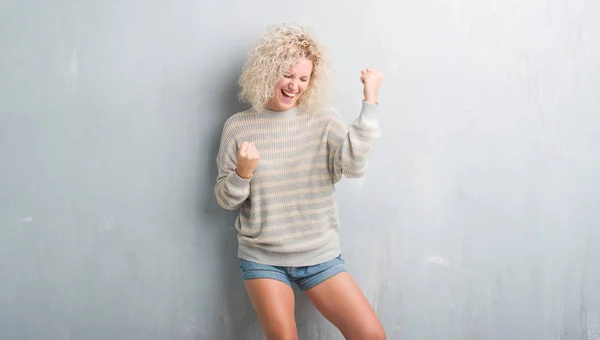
(291, 74)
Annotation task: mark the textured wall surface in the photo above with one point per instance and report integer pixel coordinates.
(478, 217)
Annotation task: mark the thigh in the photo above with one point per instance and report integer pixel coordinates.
(341, 301)
(270, 291)
(273, 301)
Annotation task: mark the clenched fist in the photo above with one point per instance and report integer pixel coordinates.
(371, 78)
(247, 160)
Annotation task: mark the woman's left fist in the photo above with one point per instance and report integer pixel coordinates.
(371, 78)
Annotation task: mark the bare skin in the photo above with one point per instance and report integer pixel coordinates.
(247, 160)
(273, 302)
(341, 301)
(338, 299)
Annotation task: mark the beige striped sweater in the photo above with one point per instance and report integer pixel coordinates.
(287, 211)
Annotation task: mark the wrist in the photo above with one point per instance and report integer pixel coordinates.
(371, 99)
(243, 174)
(370, 96)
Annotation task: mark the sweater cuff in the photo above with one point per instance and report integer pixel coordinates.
(239, 182)
(369, 110)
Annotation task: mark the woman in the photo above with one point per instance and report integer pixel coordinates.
(278, 163)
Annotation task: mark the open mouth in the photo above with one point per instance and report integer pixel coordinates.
(287, 95)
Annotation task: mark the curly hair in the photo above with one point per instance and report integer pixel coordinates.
(265, 64)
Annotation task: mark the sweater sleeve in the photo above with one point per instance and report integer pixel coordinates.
(349, 146)
(230, 190)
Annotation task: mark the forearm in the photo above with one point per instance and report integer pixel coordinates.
(351, 146)
(231, 190)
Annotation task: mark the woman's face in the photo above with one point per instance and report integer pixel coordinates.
(290, 88)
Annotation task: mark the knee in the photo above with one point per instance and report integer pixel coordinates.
(282, 335)
(378, 334)
(373, 332)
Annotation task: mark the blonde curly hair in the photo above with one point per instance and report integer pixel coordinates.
(265, 64)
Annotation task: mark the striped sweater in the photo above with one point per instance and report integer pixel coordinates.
(287, 211)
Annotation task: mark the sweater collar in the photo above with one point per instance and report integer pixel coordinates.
(281, 114)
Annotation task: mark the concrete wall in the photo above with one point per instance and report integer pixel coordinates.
(477, 218)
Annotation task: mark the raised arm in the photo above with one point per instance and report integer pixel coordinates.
(349, 146)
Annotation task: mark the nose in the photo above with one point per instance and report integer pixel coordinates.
(293, 85)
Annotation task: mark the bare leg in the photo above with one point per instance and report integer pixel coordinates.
(341, 301)
(273, 302)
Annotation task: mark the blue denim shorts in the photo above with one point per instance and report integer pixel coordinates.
(304, 277)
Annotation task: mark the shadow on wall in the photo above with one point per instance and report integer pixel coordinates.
(234, 316)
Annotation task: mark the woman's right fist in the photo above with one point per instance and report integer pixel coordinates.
(247, 160)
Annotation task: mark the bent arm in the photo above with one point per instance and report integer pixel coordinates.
(349, 146)
(230, 190)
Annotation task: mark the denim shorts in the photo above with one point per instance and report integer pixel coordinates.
(304, 277)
